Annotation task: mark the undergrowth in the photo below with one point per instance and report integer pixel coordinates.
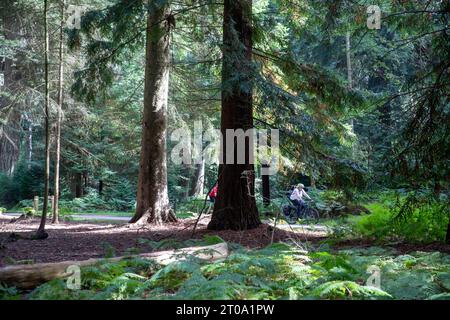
(279, 271)
(412, 217)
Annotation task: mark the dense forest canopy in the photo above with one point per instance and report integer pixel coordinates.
(99, 98)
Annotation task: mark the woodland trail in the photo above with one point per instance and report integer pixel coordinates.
(84, 217)
(79, 240)
(310, 227)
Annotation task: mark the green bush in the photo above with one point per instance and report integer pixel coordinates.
(19, 190)
(29, 211)
(377, 224)
(414, 217)
(26, 181)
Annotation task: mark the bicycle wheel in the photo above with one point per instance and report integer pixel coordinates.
(287, 209)
(290, 219)
(311, 214)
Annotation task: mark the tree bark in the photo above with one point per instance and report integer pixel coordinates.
(266, 187)
(30, 144)
(85, 182)
(78, 185)
(349, 60)
(198, 181)
(152, 201)
(11, 116)
(9, 140)
(41, 234)
(100, 187)
(235, 206)
(349, 74)
(55, 218)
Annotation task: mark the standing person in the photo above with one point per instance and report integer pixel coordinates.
(297, 197)
(213, 194)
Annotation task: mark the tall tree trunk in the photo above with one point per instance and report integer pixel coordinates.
(85, 182)
(10, 124)
(349, 72)
(41, 234)
(266, 187)
(9, 140)
(30, 144)
(100, 187)
(78, 185)
(55, 218)
(29, 141)
(198, 180)
(152, 195)
(185, 181)
(349, 60)
(235, 207)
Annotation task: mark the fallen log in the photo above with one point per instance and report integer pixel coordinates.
(31, 276)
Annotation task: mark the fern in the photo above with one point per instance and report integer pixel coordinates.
(348, 290)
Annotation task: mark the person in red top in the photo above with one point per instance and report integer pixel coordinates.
(213, 194)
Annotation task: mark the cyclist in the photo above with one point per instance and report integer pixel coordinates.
(297, 198)
(213, 194)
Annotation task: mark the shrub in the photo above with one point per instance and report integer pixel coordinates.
(23, 184)
(377, 224)
(29, 211)
(415, 217)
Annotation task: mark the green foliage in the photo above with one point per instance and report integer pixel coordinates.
(109, 250)
(328, 202)
(348, 289)
(417, 275)
(29, 211)
(121, 199)
(191, 206)
(377, 224)
(279, 271)
(414, 218)
(23, 184)
(9, 293)
(173, 275)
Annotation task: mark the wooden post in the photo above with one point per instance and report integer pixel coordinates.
(36, 203)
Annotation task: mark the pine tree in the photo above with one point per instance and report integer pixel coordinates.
(235, 207)
(55, 217)
(152, 195)
(41, 234)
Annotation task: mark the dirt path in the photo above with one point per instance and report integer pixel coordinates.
(80, 240)
(85, 217)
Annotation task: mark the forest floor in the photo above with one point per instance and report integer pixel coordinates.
(81, 240)
(75, 240)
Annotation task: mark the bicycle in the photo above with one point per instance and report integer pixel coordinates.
(306, 213)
